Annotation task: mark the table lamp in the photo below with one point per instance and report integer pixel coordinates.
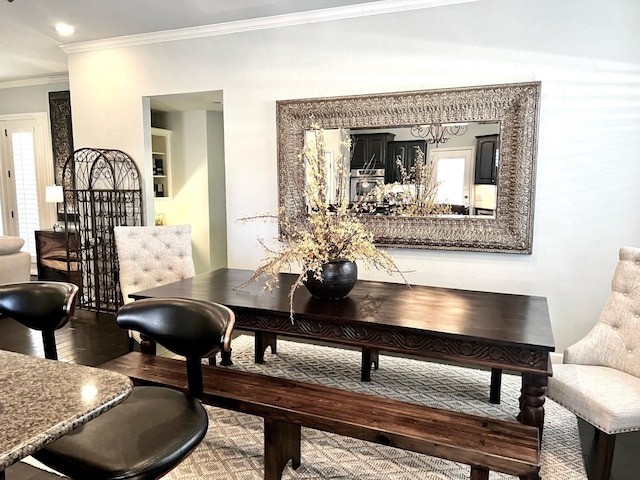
(54, 194)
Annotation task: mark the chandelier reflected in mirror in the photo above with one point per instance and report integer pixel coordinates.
(437, 133)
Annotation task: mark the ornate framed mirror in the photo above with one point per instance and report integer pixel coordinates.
(510, 109)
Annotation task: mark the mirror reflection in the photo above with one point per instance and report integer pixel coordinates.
(445, 170)
(489, 203)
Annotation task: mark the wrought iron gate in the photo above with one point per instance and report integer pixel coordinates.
(101, 191)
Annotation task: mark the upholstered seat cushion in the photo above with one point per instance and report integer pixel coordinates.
(140, 439)
(605, 397)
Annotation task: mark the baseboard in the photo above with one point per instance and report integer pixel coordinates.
(555, 357)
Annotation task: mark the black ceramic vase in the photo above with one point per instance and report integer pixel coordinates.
(338, 278)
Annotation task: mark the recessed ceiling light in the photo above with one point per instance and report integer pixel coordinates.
(64, 29)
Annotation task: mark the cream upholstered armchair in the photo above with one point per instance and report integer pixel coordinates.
(15, 265)
(152, 256)
(599, 379)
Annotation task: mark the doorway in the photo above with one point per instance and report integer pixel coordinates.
(453, 172)
(187, 145)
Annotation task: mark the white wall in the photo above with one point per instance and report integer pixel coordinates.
(189, 203)
(217, 190)
(28, 99)
(584, 52)
(198, 183)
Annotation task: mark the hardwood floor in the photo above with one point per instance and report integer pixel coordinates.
(22, 471)
(92, 339)
(88, 339)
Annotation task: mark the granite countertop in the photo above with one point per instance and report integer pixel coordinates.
(41, 400)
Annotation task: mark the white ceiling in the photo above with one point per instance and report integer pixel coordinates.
(32, 52)
(30, 47)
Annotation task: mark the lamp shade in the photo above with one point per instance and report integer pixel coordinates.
(53, 194)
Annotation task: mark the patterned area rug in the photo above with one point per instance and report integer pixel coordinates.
(233, 447)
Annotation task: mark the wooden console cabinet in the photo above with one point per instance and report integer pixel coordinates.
(405, 151)
(486, 148)
(51, 257)
(370, 150)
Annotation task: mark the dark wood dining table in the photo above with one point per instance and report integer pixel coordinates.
(494, 330)
(41, 400)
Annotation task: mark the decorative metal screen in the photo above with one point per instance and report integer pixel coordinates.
(61, 134)
(101, 191)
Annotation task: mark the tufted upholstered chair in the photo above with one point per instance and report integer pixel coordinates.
(152, 256)
(599, 379)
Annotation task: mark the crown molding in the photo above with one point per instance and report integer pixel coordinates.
(32, 81)
(263, 23)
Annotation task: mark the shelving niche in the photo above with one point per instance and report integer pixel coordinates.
(161, 158)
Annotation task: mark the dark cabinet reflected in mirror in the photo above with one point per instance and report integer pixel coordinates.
(474, 146)
(463, 161)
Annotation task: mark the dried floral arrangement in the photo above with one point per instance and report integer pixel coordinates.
(330, 230)
(416, 193)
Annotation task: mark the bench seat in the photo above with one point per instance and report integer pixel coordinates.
(483, 443)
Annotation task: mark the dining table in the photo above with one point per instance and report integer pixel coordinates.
(499, 331)
(42, 400)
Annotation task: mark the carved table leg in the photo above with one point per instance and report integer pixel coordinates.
(496, 385)
(262, 341)
(479, 473)
(226, 358)
(281, 444)
(369, 356)
(530, 476)
(532, 400)
(147, 345)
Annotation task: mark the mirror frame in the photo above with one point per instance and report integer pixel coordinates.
(515, 106)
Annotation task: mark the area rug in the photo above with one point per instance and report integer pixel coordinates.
(233, 447)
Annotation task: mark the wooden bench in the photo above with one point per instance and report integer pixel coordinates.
(483, 443)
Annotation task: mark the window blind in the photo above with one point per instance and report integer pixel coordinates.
(24, 170)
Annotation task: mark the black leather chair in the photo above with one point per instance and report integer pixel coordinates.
(155, 428)
(44, 306)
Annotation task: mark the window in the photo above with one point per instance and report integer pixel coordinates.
(27, 167)
(24, 172)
